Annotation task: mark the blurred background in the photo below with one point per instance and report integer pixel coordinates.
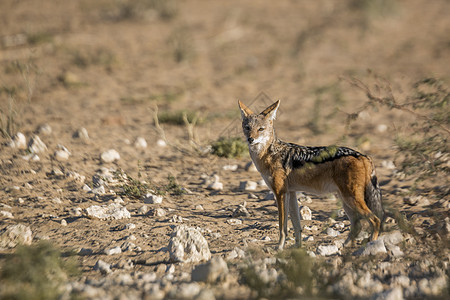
(117, 58)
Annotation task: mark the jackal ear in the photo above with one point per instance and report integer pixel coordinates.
(245, 111)
(271, 111)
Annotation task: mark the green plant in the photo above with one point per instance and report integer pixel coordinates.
(181, 44)
(176, 118)
(18, 93)
(173, 187)
(8, 121)
(229, 147)
(130, 187)
(297, 265)
(296, 275)
(84, 58)
(35, 272)
(136, 189)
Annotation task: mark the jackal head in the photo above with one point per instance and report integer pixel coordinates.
(258, 128)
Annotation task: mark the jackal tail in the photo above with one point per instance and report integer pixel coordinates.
(372, 197)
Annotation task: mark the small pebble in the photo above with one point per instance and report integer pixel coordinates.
(152, 199)
(19, 141)
(112, 251)
(81, 134)
(110, 156)
(140, 143)
(230, 167)
(161, 143)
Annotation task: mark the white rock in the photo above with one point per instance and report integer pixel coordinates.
(152, 199)
(13, 235)
(6, 214)
(130, 226)
(230, 167)
(143, 210)
(234, 222)
(214, 270)
(62, 154)
(392, 238)
(159, 212)
(248, 185)
(382, 128)
(372, 248)
(416, 200)
(176, 219)
(215, 186)
(432, 286)
(184, 291)
(112, 251)
(36, 145)
(103, 267)
(19, 141)
(187, 244)
(112, 211)
(161, 143)
(76, 211)
(45, 129)
(394, 250)
(303, 198)
(110, 156)
(199, 207)
(241, 211)
(140, 143)
(327, 250)
(332, 232)
(388, 164)
(75, 176)
(123, 280)
(205, 294)
(395, 293)
(262, 183)
(369, 284)
(310, 253)
(309, 238)
(305, 213)
(86, 188)
(81, 134)
(31, 157)
(235, 253)
(98, 190)
(339, 243)
(63, 222)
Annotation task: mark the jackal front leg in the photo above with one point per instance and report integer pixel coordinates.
(282, 218)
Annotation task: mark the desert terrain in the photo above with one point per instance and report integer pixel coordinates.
(158, 82)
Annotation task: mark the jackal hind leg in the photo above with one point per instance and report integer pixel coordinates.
(295, 217)
(361, 210)
(355, 225)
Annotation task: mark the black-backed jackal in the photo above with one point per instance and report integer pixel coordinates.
(287, 168)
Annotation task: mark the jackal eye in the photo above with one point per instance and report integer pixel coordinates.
(247, 127)
(261, 129)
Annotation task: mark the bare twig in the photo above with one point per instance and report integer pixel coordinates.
(391, 102)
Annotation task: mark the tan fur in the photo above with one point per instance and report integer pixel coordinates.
(346, 173)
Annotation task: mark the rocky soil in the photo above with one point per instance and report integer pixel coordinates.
(141, 203)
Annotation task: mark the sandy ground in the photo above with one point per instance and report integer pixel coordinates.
(107, 66)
